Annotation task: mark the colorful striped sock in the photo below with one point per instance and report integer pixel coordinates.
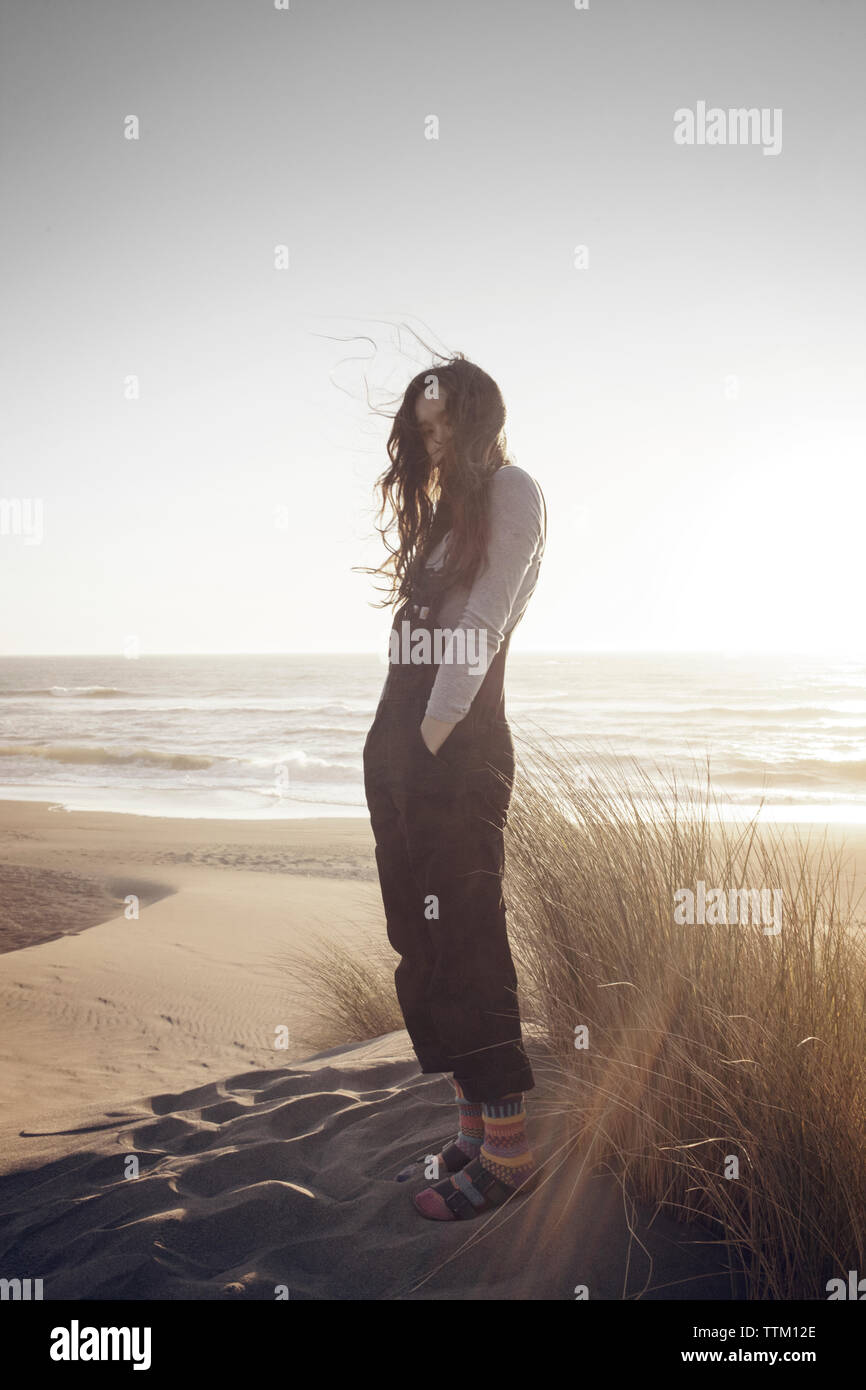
(505, 1151)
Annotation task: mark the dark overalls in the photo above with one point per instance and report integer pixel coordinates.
(438, 822)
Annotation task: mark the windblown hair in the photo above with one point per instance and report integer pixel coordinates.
(425, 501)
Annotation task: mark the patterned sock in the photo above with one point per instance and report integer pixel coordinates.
(505, 1152)
(467, 1145)
(505, 1158)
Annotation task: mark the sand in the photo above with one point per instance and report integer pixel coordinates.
(153, 1036)
(108, 1008)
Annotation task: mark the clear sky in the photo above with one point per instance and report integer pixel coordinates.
(692, 401)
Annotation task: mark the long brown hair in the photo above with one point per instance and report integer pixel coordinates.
(426, 503)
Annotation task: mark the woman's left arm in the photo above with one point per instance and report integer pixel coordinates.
(515, 538)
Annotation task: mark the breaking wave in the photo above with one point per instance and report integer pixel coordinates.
(78, 753)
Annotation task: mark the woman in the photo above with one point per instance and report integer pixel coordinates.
(439, 765)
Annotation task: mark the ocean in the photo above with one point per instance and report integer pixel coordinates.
(282, 736)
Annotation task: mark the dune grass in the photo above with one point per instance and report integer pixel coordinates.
(348, 992)
(724, 1070)
(720, 1069)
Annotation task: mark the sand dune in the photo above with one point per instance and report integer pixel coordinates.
(154, 1038)
(286, 1177)
(191, 990)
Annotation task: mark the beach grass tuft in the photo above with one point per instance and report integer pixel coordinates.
(720, 1067)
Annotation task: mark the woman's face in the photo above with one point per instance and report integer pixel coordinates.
(435, 430)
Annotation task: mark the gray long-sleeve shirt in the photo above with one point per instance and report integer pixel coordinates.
(498, 597)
